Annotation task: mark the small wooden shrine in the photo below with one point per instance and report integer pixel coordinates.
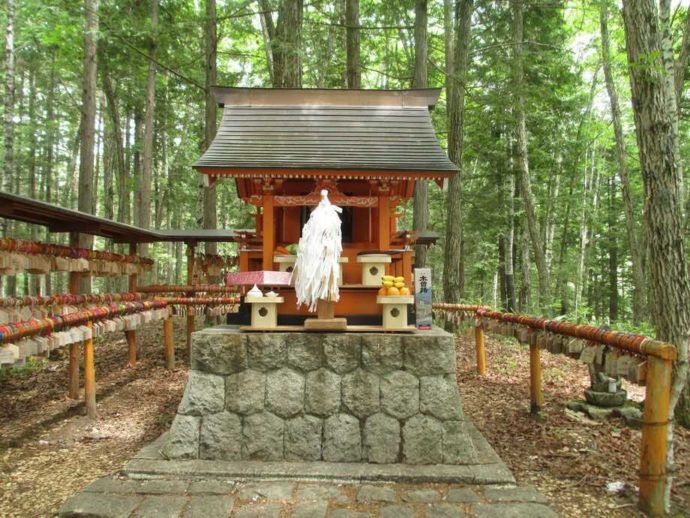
(366, 147)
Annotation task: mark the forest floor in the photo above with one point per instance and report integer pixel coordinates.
(49, 450)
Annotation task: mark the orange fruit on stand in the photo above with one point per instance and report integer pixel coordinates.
(404, 290)
(393, 291)
(383, 291)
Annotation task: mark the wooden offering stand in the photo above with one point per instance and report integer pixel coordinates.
(325, 321)
(395, 311)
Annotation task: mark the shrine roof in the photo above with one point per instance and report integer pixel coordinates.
(60, 219)
(269, 131)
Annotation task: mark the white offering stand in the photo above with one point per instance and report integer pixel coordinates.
(395, 311)
(286, 263)
(264, 311)
(373, 268)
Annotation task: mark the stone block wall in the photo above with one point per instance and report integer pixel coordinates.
(345, 397)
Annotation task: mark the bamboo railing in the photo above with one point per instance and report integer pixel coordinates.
(659, 356)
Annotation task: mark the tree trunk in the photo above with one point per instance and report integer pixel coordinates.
(353, 57)
(663, 197)
(523, 158)
(638, 299)
(452, 264)
(420, 213)
(525, 297)
(88, 125)
(209, 193)
(119, 152)
(8, 122)
(291, 39)
(147, 149)
(613, 252)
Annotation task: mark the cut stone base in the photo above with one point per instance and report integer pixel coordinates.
(374, 398)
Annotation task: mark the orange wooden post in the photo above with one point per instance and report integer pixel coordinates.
(74, 288)
(133, 352)
(268, 239)
(73, 371)
(89, 377)
(191, 246)
(535, 393)
(480, 348)
(384, 226)
(169, 344)
(131, 347)
(654, 436)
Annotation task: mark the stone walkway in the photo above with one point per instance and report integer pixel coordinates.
(150, 486)
(174, 497)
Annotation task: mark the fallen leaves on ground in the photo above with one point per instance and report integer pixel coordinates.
(567, 456)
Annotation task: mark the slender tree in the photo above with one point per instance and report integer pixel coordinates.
(209, 193)
(8, 123)
(453, 265)
(523, 157)
(638, 302)
(147, 149)
(654, 124)
(421, 189)
(353, 55)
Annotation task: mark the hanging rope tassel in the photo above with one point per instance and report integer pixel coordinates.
(317, 271)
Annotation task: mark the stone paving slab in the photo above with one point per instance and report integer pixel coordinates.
(118, 496)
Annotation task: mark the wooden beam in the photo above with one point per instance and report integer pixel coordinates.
(89, 377)
(268, 229)
(654, 442)
(191, 247)
(384, 226)
(74, 289)
(168, 341)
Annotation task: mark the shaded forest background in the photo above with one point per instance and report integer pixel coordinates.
(546, 215)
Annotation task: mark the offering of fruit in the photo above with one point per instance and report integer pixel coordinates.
(392, 286)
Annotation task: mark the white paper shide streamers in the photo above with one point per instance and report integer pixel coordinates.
(317, 270)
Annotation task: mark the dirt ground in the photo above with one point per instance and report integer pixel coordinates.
(49, 450)
(568, 457)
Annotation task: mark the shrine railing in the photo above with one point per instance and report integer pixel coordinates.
(35, 325)
(651, 364)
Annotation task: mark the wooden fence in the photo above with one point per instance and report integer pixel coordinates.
(77, 327)
(659, 357)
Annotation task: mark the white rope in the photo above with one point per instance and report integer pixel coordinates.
(317, 270)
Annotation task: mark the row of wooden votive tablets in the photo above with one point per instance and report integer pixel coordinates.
(611, 361)
(40, 345)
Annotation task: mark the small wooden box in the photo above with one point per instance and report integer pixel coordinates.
(286, 263)
(264, 310)
(373, 268)
(395, 310)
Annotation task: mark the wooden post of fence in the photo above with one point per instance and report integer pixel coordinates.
(654, 429)
(190, 309)
(131, 336)
(89, 377)
(480, 346)
(74, 371)
(169, 345)
(535, 393)
(74, 288)
(133, 352)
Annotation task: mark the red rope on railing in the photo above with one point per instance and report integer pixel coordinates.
(630, 342)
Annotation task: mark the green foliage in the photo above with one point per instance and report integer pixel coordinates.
(570, 139)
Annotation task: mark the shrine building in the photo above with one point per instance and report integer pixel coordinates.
(366, 147)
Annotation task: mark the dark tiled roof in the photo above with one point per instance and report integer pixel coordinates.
(327, 129)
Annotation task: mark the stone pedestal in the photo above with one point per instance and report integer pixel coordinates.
(335, 397)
